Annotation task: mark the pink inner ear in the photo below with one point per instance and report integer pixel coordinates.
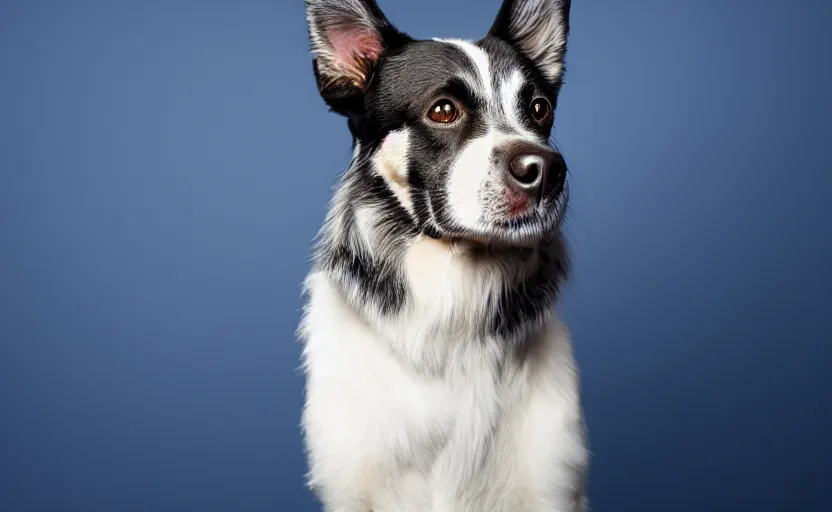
(352, 42)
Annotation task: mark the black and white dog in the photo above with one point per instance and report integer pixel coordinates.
(439, 379)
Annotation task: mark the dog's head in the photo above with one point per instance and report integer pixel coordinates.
(456, 131)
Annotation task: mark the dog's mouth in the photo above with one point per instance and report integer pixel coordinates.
(526, 219)
(518, 224)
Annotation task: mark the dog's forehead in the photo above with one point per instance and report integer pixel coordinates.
(423, 66)
(494, 62)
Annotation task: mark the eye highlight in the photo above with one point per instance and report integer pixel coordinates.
(540, 109)
(443, 112)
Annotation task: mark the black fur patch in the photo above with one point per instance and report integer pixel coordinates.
(374, 282)
(522, 305)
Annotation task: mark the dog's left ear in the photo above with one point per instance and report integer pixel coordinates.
(348, 37)
(538, 29)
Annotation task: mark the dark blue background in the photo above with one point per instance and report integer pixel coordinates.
(165, 165)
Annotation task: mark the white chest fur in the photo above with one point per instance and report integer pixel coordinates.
(401, 418)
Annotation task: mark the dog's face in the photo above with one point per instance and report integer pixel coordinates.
(456, 131)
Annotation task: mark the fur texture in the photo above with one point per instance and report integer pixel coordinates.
(438, 377)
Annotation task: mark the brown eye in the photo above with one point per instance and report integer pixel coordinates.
(540, 109)
(443, 111)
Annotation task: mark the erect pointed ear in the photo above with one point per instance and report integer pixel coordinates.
(347, 39)
(537, 29)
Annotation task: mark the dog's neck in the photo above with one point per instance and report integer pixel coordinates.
(430, 297)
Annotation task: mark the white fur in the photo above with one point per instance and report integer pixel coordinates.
(481, 62)
(416, 414)
(467, 178)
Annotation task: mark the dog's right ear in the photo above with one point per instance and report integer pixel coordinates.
(348, 37)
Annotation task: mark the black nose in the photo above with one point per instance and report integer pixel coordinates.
(533, 168)
(527, 169)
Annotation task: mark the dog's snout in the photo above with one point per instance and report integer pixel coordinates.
(532, 168)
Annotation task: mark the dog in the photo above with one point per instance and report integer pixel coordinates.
(438, 376)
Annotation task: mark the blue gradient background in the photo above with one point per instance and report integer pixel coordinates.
(165, 165)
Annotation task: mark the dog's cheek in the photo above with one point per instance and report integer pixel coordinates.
(467, 179)
(391, 163)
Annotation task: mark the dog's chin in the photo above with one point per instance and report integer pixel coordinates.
(505, 225)
(520, 231)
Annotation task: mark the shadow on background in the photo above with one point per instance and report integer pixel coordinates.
(164, 165)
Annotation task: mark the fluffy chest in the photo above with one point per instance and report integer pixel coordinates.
(380, 400)
(480, 437)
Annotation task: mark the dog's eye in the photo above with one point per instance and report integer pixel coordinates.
(444, 112)
(540, 109)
